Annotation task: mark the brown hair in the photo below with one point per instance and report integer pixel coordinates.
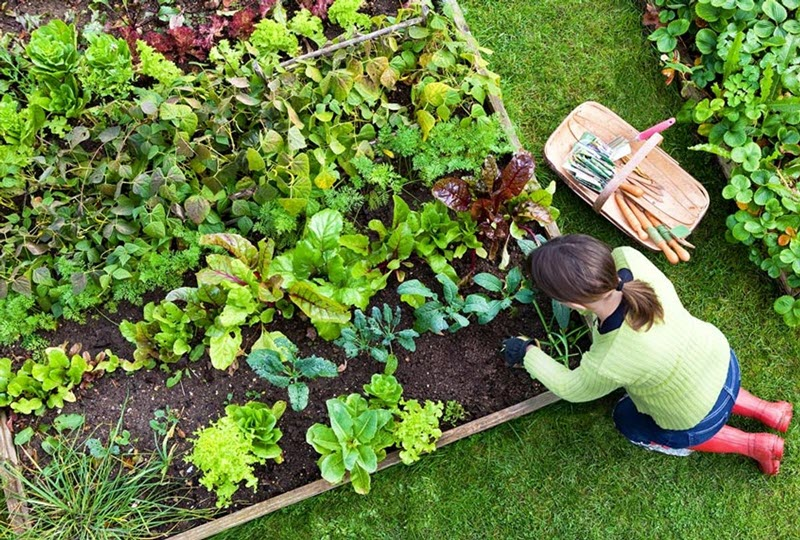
(579, 269)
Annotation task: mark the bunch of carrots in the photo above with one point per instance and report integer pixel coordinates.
(646, 225)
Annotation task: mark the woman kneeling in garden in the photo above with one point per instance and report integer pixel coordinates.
(681, 377)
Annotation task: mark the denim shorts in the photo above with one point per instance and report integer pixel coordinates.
(641, 429)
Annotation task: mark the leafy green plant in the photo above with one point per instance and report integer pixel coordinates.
(375, 334)
(78, 495)
(227, 449)
(258, 421)
(355, 441)
(430, 233)
(326, 272)
(434, 315)
(417, 429)
(154, 64)
(275, 359)
(741, 65)
(454, 413)
(271, 36)
(559, 340)
(495, 201)
(307, 25)
(459, 144)
(37, 386)
(510, 290)
(109, 70)
(345, 13)
(384, 392)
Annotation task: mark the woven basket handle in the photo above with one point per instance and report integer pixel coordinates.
(625, 171)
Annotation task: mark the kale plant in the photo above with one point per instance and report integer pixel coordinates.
(275, 359)
(374, 335)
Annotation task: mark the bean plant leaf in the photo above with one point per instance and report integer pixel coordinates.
(197, 208)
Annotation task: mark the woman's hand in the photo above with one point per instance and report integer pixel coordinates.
(514, 350)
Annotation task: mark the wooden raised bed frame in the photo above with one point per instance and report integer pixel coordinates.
(18, 511)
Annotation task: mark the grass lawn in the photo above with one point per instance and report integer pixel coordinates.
(564, 472)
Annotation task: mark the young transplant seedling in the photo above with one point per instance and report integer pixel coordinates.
(434, 315)
(278, 363)
(375, 335)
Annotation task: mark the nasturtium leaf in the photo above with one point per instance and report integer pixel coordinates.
(774, 10)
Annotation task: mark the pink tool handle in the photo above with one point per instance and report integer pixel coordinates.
(658, 128)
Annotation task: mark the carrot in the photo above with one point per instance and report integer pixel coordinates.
(657, 239)
(629, 216)
(636, 191)
(682, 253)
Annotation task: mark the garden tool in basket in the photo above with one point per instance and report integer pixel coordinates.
(621, 147)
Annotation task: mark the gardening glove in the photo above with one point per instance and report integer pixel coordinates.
(514, 350)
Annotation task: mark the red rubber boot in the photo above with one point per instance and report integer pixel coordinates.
(765, 448)
(775, 415)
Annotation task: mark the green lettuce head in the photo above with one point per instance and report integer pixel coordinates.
(53, 50)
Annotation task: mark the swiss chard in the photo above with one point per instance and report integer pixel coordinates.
(493, 201)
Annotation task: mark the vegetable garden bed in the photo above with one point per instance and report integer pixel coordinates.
(463, 368)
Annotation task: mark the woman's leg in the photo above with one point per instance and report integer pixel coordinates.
(765, 448)
(775, 415)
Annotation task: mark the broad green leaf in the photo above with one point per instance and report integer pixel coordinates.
(197, 208)
(322, 438)
(255, 162)
(224, 348)
(317, 307)
(68, 422)
(416, 288)
(332, 468)
(360, 480)
(314, 366)
(488, 282)
(426, 122)
(324, 229)
(236, 245)
(341, 422)
(24, 436)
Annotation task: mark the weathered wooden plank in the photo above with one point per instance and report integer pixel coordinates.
(321, 486)
(17, 511)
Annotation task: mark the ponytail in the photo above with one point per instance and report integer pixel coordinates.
(643, 306)
(579, 269)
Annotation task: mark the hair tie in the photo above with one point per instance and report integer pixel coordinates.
(620, 285)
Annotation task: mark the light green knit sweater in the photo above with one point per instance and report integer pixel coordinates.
(674, 371)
